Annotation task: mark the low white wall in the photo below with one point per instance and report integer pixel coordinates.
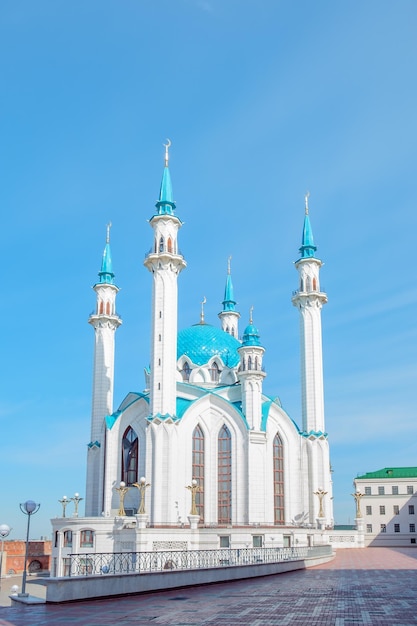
(85, 587)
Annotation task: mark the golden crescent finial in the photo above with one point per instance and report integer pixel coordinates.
(166, 146)
(108, 232)
(203, 302)
(306, 197)
(251, 315)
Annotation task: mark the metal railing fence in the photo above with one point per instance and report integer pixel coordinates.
(108, 563)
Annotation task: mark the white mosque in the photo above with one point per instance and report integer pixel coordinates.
(202, 458)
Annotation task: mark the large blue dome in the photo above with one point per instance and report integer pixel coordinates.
(201, 342)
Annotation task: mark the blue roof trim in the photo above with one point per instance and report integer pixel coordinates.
(112, 419)
(163, 417)
(314, 433)
(94, 444)
(265, 413)
(229, 302)
(308, 248)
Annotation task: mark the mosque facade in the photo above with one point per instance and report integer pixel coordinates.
(202, 458)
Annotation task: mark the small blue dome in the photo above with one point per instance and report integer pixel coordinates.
(251, 336)
(202, 342)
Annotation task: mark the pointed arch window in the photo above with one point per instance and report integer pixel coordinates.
(169, 244)
(186, 371)
(249, 362)
(198, 468)
(256, 363)
(107, 308)
(161, 244)
(308, 283)
(130, 453)
(214, 372)
(224, 476)
(278, 477)
(101, 307)
(314, 284)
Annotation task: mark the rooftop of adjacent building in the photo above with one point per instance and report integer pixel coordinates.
(391, 472)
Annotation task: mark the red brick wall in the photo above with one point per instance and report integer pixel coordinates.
(14, 555)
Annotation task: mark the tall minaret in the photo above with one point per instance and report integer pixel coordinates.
(105, 321)
(251, 375)
(309, 300)
(229, 317)
(165, 263)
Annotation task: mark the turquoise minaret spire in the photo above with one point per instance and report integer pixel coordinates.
(106, 273)
(166, 204)
(251, 374)
(308, 248)
(229, 316)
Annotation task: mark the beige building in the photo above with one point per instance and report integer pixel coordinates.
(389, 506)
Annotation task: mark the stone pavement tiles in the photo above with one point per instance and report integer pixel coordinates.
(373, 586)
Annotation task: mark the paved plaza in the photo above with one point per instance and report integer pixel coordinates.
(376, 586)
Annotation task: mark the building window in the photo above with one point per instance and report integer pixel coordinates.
(67, 543)
(186, 371)
(382, 510)
(369, 510)
(278, 462)
(169, 244)
(87, 539)
(257, 541)
(66, 566)
(411, 509)
(410, 490)
(224, 468)
(249, 362)
(224, 541)
(396, 509)
(161, 244)
(368, 528)
(381, 491)
(130, 445)
(396, 528)
(412, 528)
(395, 491)
(383, 528)
(368, 491)
(413, 540)
(198, 469)
(214, 372)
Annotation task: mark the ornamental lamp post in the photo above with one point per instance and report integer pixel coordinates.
(28, 508)
(194, 488)
(142, 485)
(65, 501)
(76, 499)
(4, 531)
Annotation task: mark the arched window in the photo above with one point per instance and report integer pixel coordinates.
(161, 244)
(314, 284)
(232, 332)
(224, 477)
(107, 308)
(186, 371)
(198, 469)
(101, 308)
(169, 244)
(214, 372)
(249, 362)
(278, 460)
(256, 363)
(130, 446)
(308, 283)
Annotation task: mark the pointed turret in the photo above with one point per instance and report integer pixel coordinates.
(229, 317)
(251, 374)
(105, 322)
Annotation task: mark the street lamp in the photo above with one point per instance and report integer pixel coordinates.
(76, 499)
(4, 531)
(28, 508)
(142, 485)
(64, 503)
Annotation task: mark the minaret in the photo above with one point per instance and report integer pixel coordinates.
(309, 300)
(165, 263)
(251, 375)
(229, 317)
(105, 321)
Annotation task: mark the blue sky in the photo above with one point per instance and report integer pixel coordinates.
(262, 100)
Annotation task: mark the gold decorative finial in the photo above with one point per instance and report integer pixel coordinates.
(306, 197)
(109, 225)
(250, 315)
(228, 264)
(202, 310)
(166, 146)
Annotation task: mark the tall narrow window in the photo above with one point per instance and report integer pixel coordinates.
(214, 372)
(130, 446)
(198, 469)
(224, 482)
(278, 461)
(169, 244)
(161, 244)
(249, 362)
(186, 371)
